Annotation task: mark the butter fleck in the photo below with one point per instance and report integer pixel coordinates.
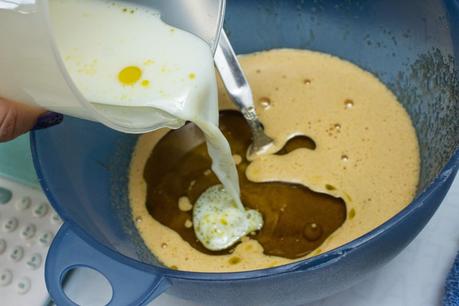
(185, 204)
(188, 224)
(237, 159)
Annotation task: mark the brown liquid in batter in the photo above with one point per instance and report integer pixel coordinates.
(297, 219)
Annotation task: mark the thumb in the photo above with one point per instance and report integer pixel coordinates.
(17, 119)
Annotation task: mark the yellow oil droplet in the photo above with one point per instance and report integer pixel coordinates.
(149, 62)
(352, 214)
(145, 83)
(130, 75)
(348, 197)
(316, 252)
(192, 76)
(235, 260)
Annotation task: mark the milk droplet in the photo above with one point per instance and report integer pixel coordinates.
(312, 231)
(344, 158)
(164, 246)
(348, 104)
(265, 102)
(138, 220)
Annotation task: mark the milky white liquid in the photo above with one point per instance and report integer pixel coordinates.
(125, 60)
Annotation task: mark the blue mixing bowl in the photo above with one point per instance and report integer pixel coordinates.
(410, 45)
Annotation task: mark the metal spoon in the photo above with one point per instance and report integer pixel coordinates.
(239, 90)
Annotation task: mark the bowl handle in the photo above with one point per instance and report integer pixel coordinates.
(130, 286)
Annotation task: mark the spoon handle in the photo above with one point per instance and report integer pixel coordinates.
(232, 75)
(239, 91)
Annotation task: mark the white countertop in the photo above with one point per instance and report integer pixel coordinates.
(415, 278)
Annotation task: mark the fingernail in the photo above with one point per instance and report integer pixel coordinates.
(47, 120)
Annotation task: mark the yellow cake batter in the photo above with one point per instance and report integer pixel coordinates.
(367, 153)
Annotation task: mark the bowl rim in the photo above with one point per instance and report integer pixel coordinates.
(329, 257)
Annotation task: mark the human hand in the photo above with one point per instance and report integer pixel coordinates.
(17, 119)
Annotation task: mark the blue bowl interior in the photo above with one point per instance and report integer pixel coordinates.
(409, 45)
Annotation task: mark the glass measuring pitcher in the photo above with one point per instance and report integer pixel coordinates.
(32, 70)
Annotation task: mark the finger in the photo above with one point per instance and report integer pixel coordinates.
(16, 119)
